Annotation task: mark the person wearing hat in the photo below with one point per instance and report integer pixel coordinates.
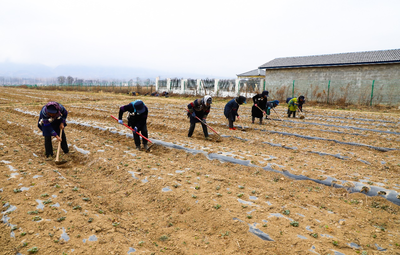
(258, 109)
(294, 104)
(52, 120)
(199, 108)
(231, 110)
(301, 101)
(269, 106)
(137, 120)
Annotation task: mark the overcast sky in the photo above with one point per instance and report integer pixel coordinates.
(210, 37)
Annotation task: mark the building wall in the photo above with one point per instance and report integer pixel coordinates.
(352, 83)
(372, 72)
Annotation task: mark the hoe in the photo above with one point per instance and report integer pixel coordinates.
(58, 162)
(263, 115)
(151, 143)
(219, 136)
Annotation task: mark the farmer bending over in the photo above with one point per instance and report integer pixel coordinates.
(294, 104)
(231, 110)
(51, 121)
(258, 109)
(199, 108)
(137, 118)
(270, 105)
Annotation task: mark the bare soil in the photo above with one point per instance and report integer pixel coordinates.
(325, 184)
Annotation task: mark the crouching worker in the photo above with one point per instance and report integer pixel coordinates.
(137, 120)
(199, 108)
(52, 120)
(294, 104)
(270, 105)
(231, 110)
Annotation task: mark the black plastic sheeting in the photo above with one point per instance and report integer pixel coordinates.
(327, 131)
(384, 149)
(257, 232)
(390, 195)
(345, 127)
(350, 118)
(327, 154)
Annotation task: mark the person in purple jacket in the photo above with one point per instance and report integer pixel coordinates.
(137, 119)
(52, 120)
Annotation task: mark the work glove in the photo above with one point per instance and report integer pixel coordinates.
(193, 114)
(255, 105)
(135, 128)
(204, 120)
(120, 122)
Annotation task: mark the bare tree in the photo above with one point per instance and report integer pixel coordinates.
(138, 81)
(70, 80)
(61, 80)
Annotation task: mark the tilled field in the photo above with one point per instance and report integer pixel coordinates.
(326, 184)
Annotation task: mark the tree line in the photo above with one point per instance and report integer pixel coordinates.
(69, 80)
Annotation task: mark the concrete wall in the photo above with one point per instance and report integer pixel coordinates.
(352, 83)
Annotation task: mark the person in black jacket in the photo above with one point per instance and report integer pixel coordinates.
(231, 110)
(52, 120)
(199, 108)
(137, 119)
(258, 109)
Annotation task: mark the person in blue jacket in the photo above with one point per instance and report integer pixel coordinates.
(199, 108)
(52, 120)
(137, 119)
(231, 110)
(270, 105)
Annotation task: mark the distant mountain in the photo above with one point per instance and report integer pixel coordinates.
(104, 72)
(8, 69)
(25, 70)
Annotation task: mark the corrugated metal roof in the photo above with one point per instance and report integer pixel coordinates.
(253, 73)
(341, 59)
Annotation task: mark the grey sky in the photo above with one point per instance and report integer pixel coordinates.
(215, 38)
